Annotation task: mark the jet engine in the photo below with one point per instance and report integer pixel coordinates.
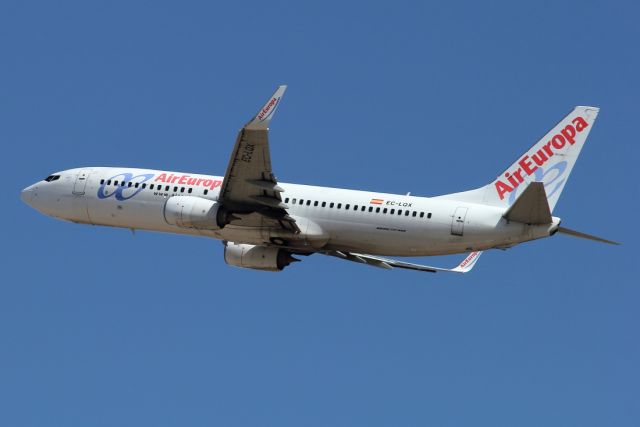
(193, 212)
(267, 258)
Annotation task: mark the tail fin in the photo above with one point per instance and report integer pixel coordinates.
(549, 161)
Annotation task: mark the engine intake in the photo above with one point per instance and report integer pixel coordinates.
(193, 212)
(264, 258)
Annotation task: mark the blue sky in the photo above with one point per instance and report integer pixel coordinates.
(100, 327)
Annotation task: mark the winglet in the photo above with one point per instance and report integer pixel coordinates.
(263, 118)
(468, 263)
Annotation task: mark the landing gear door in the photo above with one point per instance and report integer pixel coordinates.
(81, 182)
(457, 222)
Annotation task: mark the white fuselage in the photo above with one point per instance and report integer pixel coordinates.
(329, 218)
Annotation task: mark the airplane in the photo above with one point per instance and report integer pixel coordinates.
(264, 223)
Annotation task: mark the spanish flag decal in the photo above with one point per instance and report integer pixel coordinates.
(376, 201)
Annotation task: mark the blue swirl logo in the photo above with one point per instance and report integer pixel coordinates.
(554, 176)
(123, 192)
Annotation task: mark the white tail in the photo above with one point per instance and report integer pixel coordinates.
(549, 161)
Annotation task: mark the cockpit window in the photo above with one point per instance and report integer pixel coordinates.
(51, 178)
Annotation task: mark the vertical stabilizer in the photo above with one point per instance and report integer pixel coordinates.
(549, 161)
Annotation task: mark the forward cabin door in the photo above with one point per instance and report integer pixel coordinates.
(457, 223)
(81, 182)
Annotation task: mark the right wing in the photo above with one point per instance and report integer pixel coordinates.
(375, 261)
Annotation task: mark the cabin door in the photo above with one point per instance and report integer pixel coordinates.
(457, 223)
(81, 182)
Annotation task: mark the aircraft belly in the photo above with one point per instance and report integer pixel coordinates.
(391, 239)
(404, 238)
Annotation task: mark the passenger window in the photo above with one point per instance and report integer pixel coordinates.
(429, 215)
(206, 191)
(370, 208)
(406, 213)
(190, 190)
(301, 202)
(355, 207)
(392, 211)
(421, 214)
(144, 185)
(308, 202)
(129, 184)
(414, 214)
(137, 184)
(377, 210)
(364, 208)
(286, 200)
(101, 181)
(315, 203)
(175, 189)
(384, 210)
(109, 182)
(399, 211)
(166, 188)
(115, 183)
(293, 201)
(182, 190)
(324, 204)
(347, 206)
(339, 205)
(151, 187)
(331, 204)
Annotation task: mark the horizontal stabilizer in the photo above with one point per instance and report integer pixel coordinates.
(574, 233)
(531, 207)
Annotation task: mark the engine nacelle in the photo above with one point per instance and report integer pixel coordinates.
(267, 258)
(193, 212)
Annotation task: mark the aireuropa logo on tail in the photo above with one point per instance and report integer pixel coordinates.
(268, 109)
(533, 165)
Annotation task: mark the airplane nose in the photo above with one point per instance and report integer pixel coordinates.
(27, 195)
